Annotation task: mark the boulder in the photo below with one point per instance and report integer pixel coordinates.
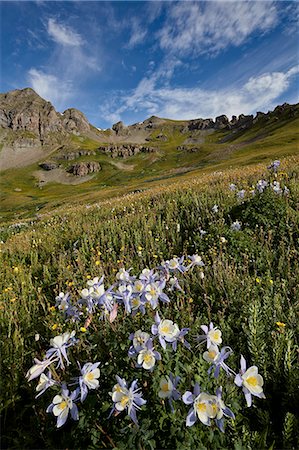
(48, 165)
(221, 122)
(85, 168)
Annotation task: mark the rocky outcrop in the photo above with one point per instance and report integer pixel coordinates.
(75, 122)
(125, 150)
(188, 149)
(25, 110)
(23, 142)
(85, 168)
(48, 165)
(221, 122)
(69, 156)
(118, 127)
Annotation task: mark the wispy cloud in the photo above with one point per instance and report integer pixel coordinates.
(50, 87)
(208, 27)
(68, 65)
(187, 103)
(63, 34)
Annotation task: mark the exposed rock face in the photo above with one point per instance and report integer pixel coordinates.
(85, 168)
(200, 124)
(25, 110)
(187, 149)
(221, 122)
(74, 155)
(48, 165)
(26, 143)
(118, 127)
(125, 150)
(74, 121)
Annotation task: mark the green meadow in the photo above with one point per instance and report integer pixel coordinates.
(249, 289)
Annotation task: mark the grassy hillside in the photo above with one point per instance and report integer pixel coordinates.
(22, 196)
(249, 290)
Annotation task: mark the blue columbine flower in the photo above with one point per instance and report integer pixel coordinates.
(217, 359)
(154, 292)
(89, 378)
(147, 356)
(139, 339)
(45, 381)
(274, 165)
(212, 335)
(169, 332)
(251, 381)
(59, 347)
(64, 404)
(40, 366)
(126, 398)
(236, 226)
(168, 389)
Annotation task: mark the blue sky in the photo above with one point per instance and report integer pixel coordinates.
(130, 60)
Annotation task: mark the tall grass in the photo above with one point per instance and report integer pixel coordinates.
(251, 282)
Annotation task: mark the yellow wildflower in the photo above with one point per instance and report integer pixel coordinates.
(54, 326)
(258, 280)
(98, 263)
(83, 329)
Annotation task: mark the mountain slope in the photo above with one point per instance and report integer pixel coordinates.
(84, 164)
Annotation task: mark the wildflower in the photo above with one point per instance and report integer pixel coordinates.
(83, 329)
(236, 226)
(196, 260)
(147, 357)
(174, 284)
(258, 280)
(64, 404)
(168, 389)
(139, 339)
(154, 292)
(127, 398)
(212, 335)
(251, 382)
(201, 407)
(124, 275)
(220, 410)
(59, 346)
(274, 165)
(89, 378)
(202, 233)
(241, 194)
(217, 359)
(280, 324)
(223, 240)
(175, 264)
(124, 294)
(215, 208)
(261, 185)
(169, 332)
(276, 187)
(148, 276)
(62, 301)
(39, 367)
(286, 191)
(45, 381)
(232, 187)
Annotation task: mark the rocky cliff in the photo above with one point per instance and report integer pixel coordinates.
(24, 110)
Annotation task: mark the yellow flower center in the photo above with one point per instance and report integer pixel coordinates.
(212, 354)
(252, 381)
(62, 405)
(90, 376)
(201, 407)
(147, 358)
(153, 291)
(165, 329)
(164, 387)
(124, 400)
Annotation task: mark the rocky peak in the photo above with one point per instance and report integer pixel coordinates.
(25, 110)
(75, 121)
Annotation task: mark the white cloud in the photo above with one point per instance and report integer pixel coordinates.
(50, 87)
(258, 93)
(63, 34)
(208, 27)
(138, 34)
